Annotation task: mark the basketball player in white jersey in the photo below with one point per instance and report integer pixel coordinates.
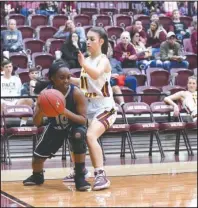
(95, 84)
(188, 98)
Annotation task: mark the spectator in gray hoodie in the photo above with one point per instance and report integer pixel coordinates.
(12, 38)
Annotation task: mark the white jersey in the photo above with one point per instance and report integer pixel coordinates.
(97, 91)
(11, 87)
(190, 103)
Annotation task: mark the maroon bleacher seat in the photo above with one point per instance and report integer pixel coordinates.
(182, 76)
(102, 20)
(129, 28)
(187, 45)
(20, 19)
(114, 32)
(58, 20)
(53, 44)
(23, 75)
(108, 11)
(76, 72)
(81, 20)
(192, 59)
(143, 126)
(87, 28)
(167, 125)
(37, 20)
(157, 77)
(45, 32)
(186, 20)
(172, 89)
(122, 20)
(127, 12)
(146, 90)
(42, 59)
(89, 11)
(33, 44)
(141, 79)
(128, 92)
(27, 31)
(19, 60)
(165, 22)
(145, 20)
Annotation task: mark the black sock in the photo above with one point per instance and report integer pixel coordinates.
(79, 168)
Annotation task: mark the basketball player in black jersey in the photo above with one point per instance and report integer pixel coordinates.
(71, 124)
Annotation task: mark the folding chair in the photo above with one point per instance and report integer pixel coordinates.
(135, 113)
(169, 125)
(120, 128)
(18, 111)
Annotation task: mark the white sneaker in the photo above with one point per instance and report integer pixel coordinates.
(70, 177)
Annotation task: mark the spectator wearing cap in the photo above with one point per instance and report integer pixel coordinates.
(12, 38)
(178, 27)
(193, 37)
(170, 53)
(28, 87)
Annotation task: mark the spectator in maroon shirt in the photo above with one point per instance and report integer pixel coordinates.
(125, 52)
(194, 36)
(143, 36)
(156, 35)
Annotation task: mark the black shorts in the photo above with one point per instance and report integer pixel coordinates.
(52, 139)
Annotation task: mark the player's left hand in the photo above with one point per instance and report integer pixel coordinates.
(81, 58)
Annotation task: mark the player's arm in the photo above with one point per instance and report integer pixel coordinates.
(80, 117)
(75, 81)
(94, 72)
(38, 116)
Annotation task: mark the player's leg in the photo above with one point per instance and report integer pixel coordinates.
(79, 147)
(96, 128)
(51, 140)
(119, 99)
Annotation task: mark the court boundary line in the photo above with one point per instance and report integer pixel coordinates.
(15, 199)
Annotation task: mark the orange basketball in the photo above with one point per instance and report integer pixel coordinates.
(52, 102)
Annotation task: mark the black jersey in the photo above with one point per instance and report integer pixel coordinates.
(61, 122)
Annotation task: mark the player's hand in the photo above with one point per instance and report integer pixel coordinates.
(81, 58)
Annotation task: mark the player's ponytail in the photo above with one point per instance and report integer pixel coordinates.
(41, 84)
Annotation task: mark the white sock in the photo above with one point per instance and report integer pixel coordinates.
(97, 169)
(23, 122)
(122, 103)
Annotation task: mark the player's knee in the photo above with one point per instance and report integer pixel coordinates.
(78, 141)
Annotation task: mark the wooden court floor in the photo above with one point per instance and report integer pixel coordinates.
(163, 190)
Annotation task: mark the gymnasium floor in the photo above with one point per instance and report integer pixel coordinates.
(143, 182)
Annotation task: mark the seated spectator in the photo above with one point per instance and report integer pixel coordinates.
(70, 28)
(48, 8)
(194, 37)
(169, 7)
(170, 53)
(11, 86)
(143, 54)
(187, 98)
(67, 7)
(28, 7)
(178, 27)
(154, 17)
(125, 52)
(12, 38)
(117, 76)
(183, 8)
(195, 9)
(156, 35)
(70, 50)
(143, 36)
(28, 87)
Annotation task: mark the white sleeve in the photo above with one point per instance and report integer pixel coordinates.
(19, 86)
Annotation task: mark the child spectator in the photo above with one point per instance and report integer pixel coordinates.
(28, 87)
(178, 27)
(70, 50)
(11, 86)
(70, 28)
(125, 52)
(156, 35)
(194, 37)
(170, 53)
(12, 38)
